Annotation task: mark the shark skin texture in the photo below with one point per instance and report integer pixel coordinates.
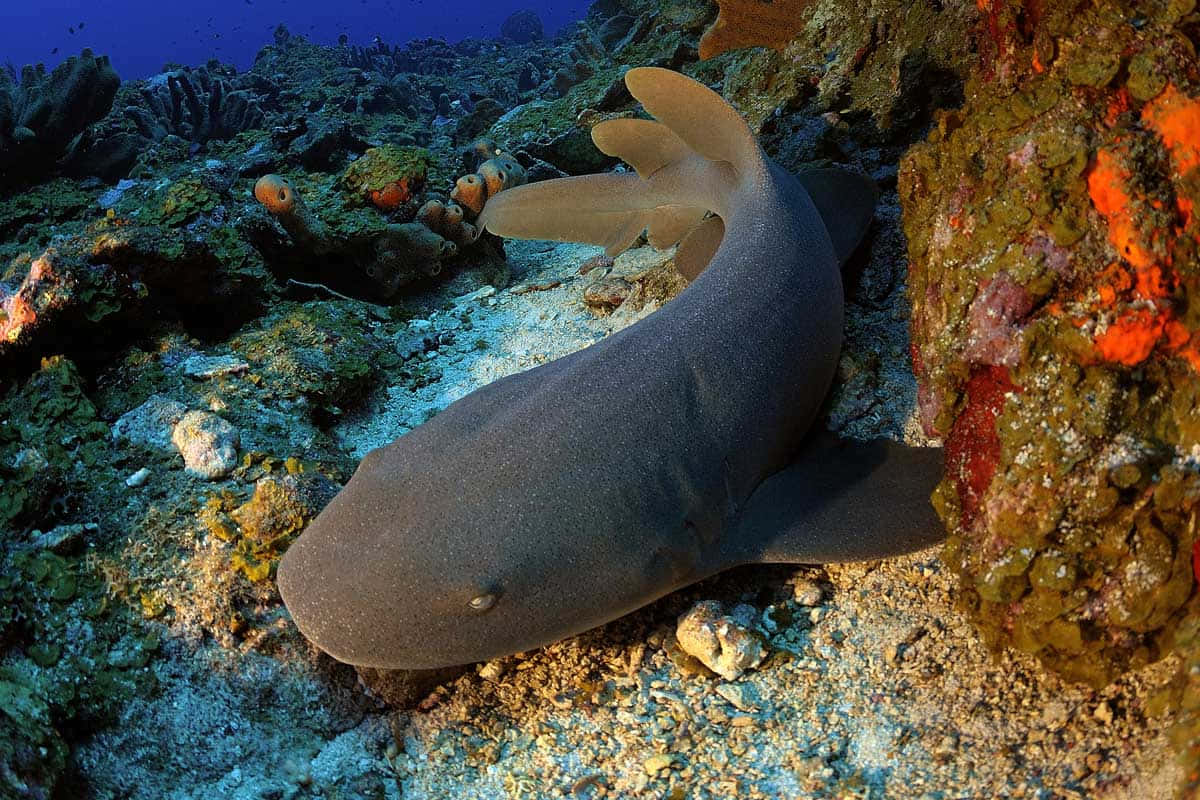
(555, 500)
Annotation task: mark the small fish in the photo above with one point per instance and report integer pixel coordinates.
(54, 52)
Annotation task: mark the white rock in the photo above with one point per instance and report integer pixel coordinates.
(138, 478)
(150, 424)
(719, 642)
(208, 444)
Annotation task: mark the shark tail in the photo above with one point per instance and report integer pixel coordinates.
(694, 124)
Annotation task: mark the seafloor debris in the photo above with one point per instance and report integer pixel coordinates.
(1053, 282)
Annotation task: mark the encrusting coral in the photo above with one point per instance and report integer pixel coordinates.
(1053, 247)
(753, 23)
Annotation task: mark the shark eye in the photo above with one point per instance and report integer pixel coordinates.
(483, 602)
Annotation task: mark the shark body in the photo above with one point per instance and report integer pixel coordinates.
(558, 499)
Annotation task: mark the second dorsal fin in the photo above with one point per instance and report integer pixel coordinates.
(643, 144)
(699, 247)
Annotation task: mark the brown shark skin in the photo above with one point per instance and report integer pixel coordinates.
(588, 487)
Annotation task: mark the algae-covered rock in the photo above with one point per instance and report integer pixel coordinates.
(166, 253)
(1053, 283)
(32, 753)
(49, 428)
(388, 177)
(317, 351)
(274, 516)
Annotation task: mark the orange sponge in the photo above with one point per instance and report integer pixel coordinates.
(276, 194)
(493, 176)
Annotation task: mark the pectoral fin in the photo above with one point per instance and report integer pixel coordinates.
(843, 500)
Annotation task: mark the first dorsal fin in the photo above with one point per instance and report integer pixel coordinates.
(696, 114)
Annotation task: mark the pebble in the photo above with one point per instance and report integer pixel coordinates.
(482, 293)
(151, 424)
(806, 592)
(720, 642)
(208, 444)
(138, 478)
(657, 763)
(492, 671)
(741, 696)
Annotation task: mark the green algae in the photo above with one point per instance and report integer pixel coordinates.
(312, 350)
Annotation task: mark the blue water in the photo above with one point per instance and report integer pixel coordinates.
(141, 35)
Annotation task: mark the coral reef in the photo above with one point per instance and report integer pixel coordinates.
(132, 590)
(173, 257)
(41, 113)
(1053, 283)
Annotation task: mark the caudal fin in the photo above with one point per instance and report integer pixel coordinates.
(670, 195)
